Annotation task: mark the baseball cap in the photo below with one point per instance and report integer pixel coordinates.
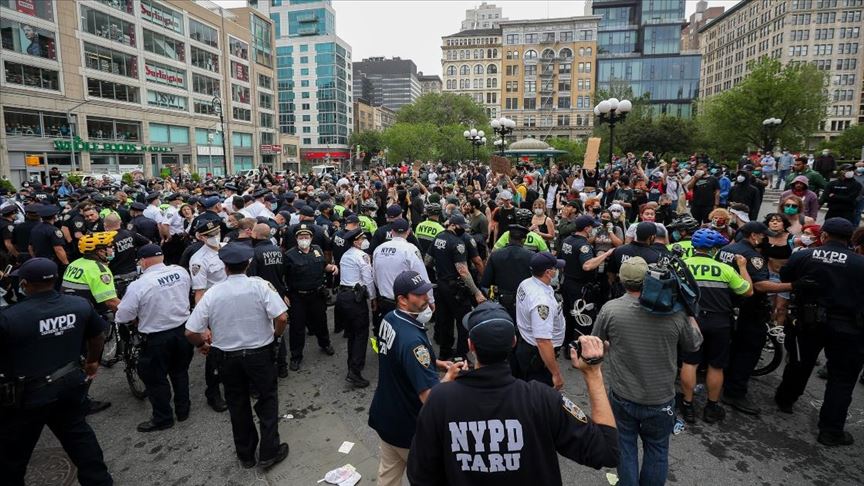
(457, 219)
(36, 270)
(583, 222)
(236, 253)
(759, 228)
(838, 227)
(394, 211)
(149, 250)
(645, 230)
(410, 282)
(307, 211)
(400, 225)
(490, 327)
(544, 261)
(633, 270)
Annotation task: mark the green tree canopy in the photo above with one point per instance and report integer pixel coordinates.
(575, 150)
(410, 141)
(444, 109)
(370, 141)
(849, 144)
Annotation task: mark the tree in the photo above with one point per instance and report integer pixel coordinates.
(575, 150)
(444, 109)
(849, 144)
(410, 141)
(732, 120)
(638, 117)
(370, 141)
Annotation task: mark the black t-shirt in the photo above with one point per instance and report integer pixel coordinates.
(268, 264)
(630, 250)
(21, 236)
(447, 250)
(126, 244)
(703, 191)
(575, 250)
(7, 228)
(339, 246)
(44, 238)
(505, 217)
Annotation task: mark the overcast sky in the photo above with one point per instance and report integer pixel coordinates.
(412, 29)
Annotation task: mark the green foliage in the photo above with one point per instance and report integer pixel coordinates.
(409, 141)
(7, 184)
(127, 178)
(442, 109)
(74, 179)
(575, 150)
(731, 122)
(848, 145)
(196, 177)
(165, 173)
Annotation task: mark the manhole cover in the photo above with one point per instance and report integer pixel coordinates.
(50, 467)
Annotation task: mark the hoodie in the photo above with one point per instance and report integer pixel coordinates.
(811, 201)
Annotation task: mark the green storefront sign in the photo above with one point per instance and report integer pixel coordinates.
(83, 146)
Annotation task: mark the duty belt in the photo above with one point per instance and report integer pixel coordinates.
(346, 287)
(307, 292)
(40, 381)
(386, 299)
(242, 353)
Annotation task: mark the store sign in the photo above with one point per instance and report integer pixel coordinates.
(271, 149)
(79, 145)
(160, 75)
(26, 7)
(326, 155)
(157, 17)
(165, 100)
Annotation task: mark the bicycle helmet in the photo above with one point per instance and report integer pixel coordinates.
(523, 217)
(708, 238)
(369, 206)
(433, 209)
(95, 241)
(684, 223)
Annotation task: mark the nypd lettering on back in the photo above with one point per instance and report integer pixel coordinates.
(57, 325)
(487, 445)
(168, 279)
(830, 256)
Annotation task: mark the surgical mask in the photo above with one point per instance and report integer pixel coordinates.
(213, 240)
(304, 243)
(139, 270)
(807, 240)
(424, 316)
(109, 256)
(364, 245)
(790, 210)
(538, 211)
(740, 178)
(757, 172)
(683, 166)
(676, 235)
(859, 171)
(849, 174)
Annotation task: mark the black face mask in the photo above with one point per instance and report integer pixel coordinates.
(459, 231)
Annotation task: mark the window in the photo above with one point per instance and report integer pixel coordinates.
(164, 46)
(464, 70)
(202, 107)
(26, 39)
(451, 70)
(265, 101)
(566, 36)
(242, 114)
(529, 103)
(121, 5)
(512, 39)
(204, 59)
(239, 71)
(564, 68)
(563, 85)
(530, 38)
(548, 54)
(106, 129)
(266, 120)
(478, 69)
(565, 53)
(530, 86)
(204, 136)
(161, 15)
(238, 48)
(107, 27)
(203, 33)
(530, 54)
(160, 133)
(162, 74)
(491, 98)
(512, 70)
(240, 94)
(36, 124)
(529, 121)
(491, 69)
(31, 76)
(563, 120)
(43, 9)
(242, 140)
(205, 85)
(166, 100)
(549, 37)
(265, 82)
(110, 61)
(563, 102)
(262, 46)
(113, 91)
(307, 141)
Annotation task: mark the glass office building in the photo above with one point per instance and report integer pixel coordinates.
(639, 45)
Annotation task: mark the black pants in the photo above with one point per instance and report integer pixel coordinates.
(20, 431)
(748, 339)
(384, 308)
(527, 364)
(450, 308)
(307, 310)
(847, 214)
(700, 213)
(258, 372)
(211, 378)
(844, 350)
(353, 316)
(166, 356)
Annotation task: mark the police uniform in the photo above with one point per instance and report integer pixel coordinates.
(452, 297)
(242, 346)
(579, 288)
(356, 287)
(7, 228)
(830, 317)
(533, 242)
(44, 237)
(159, 299)
(319, 238)
(144, 225)
(173, 248)
(625, 252)
(210, 215)
(268, 263)
(90, 279)
(21, 234)
(308, 297)
(40, 346)
(124, 264)
(505, 270)
(538, 316)
(426, 233)
(384, 233)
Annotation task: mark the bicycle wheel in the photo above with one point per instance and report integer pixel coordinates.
(772, 356)
(110, 354)
(137, 387)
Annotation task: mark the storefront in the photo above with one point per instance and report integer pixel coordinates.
(269, 155)
(317, 156)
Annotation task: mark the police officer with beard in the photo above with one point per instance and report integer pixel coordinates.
(268, 263)
(829, 317)
(507, 268)
(356, 291)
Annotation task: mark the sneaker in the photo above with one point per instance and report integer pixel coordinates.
(328, 350)
(822, 372)
(832, 439)
(713, 413)
(688, 411)
(149, 426)
(280, 456)
(295, 365)
(357, 380)
(742, 404)
(282, 371)
(182, 416)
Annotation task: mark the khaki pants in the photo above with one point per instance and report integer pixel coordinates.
(391, 465)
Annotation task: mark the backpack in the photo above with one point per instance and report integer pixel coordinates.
(666, 291)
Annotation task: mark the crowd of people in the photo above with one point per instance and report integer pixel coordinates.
(489, 278)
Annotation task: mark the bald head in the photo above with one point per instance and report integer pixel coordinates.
(261, 231)
(111, 222)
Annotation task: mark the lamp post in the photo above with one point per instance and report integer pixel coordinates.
(72, 135)
(476, 138)
(612, 111)
(217, 108)
(770, 126)
(502, 126)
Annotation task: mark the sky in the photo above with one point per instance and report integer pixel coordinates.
(412, 29)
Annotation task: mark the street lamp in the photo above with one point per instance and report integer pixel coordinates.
(770, 126)
(217, 108)
(612, 111)
(476, 138)
(72, 131)
(502, 126)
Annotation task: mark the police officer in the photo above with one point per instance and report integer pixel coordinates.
(212, 207)
(319, 238)
(159, 300)
(391, 259)
(717, 283)
(21, 232)
(384, 233)
(580, 288)
(829, 317)
(428, 230)
(46, 241)
(641, 246)
(407, 371)
(7, 228)
(305, 268)
(174, 244)
(455, 288)
(41, 381)
(242, 343)
(507, 268)
(367, 217)
(89, 276)
(207, 270)
(268, 263)
(356, 291)
(126, 244)
(339, 245)
(682, 229)
(142, 224)
(541, 324)
(748, 337)
(527, 422)
(533, 241)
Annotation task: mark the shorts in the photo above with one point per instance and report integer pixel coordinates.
(716, 335)
(775, 277)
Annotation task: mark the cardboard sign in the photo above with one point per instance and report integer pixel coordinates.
(500, 165)
(592, 152)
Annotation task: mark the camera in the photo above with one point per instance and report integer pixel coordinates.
(575, 344)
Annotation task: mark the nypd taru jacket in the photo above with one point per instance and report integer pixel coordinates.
(487, 427)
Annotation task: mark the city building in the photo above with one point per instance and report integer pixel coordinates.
(386, 82)
(548, 85)
(104, 86)
(429, 83)
(370, 117)
(698, 19)
(313, 70)
(484, 17)
(471, 65)
(639, 46)
(826, 33)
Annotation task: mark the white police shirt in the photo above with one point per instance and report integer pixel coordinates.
(155, 214)
(256, 209)
(239, 312)
(355, 267)
(538, 313)
(206, 268)
(174, 221)
(392, 258)
(159, 299)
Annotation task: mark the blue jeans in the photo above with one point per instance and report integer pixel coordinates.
(781, 178)
(653, 424)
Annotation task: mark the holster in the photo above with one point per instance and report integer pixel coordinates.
(10, 394)
(811, 314)
(361, 294)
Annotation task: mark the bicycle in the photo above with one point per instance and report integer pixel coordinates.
(132, 342)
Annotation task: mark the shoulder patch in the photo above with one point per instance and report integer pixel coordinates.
(194, 269)
(10, 228)
(317, 253)
(422, 355)
(105, 278)
(584, 249)
(130, 226)
(473, 242)
(543, 310)
(58, 233)
(757, 262)
(566, 249)
(460, 248)
(573, 410)
(79, 224)
(366, 258)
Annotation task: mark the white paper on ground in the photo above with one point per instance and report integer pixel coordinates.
(346, 446)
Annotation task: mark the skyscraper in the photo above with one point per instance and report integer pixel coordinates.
(639, 45)
(486, 16)
(386, 82)
(314, 80)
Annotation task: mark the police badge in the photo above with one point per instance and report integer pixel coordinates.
(460, 248)
(757, 262)
(584, 249)
(573, 410)
(422, 355)
(105, 278)
(58, 233)
(79, 224)
(130, 226)
(543, 310)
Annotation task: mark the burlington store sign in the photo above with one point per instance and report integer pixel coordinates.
(83, 146)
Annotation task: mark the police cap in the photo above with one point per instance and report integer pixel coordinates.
(151, 196)
(490, 328)
(149, 250)
(233, 253)
(352, 219)
(261, 193)
(757, 227)
(303, 228)
(207, 227)
(32, 208)
(583, 222)
(47, 210)
(353, 235)
(8, 209)
(410, 282)
(518, 231)
(838, 227)
(400, 225)
(137, 206)
(544, 260)
(394, 211)
(457, 219)
(645, 230)
(36, 270)
(174, 196)
(307, 211)
(231, 187)
(209, 201)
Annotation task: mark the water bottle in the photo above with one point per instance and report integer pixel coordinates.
(679, 426)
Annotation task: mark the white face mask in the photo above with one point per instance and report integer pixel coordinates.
(364, 245)
(538, 211)
(213, 241)
(425, 316)
(740, 178)
(304, 243)
(849, 174)
(806, 240)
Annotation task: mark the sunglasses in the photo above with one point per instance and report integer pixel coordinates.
(790, 206)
